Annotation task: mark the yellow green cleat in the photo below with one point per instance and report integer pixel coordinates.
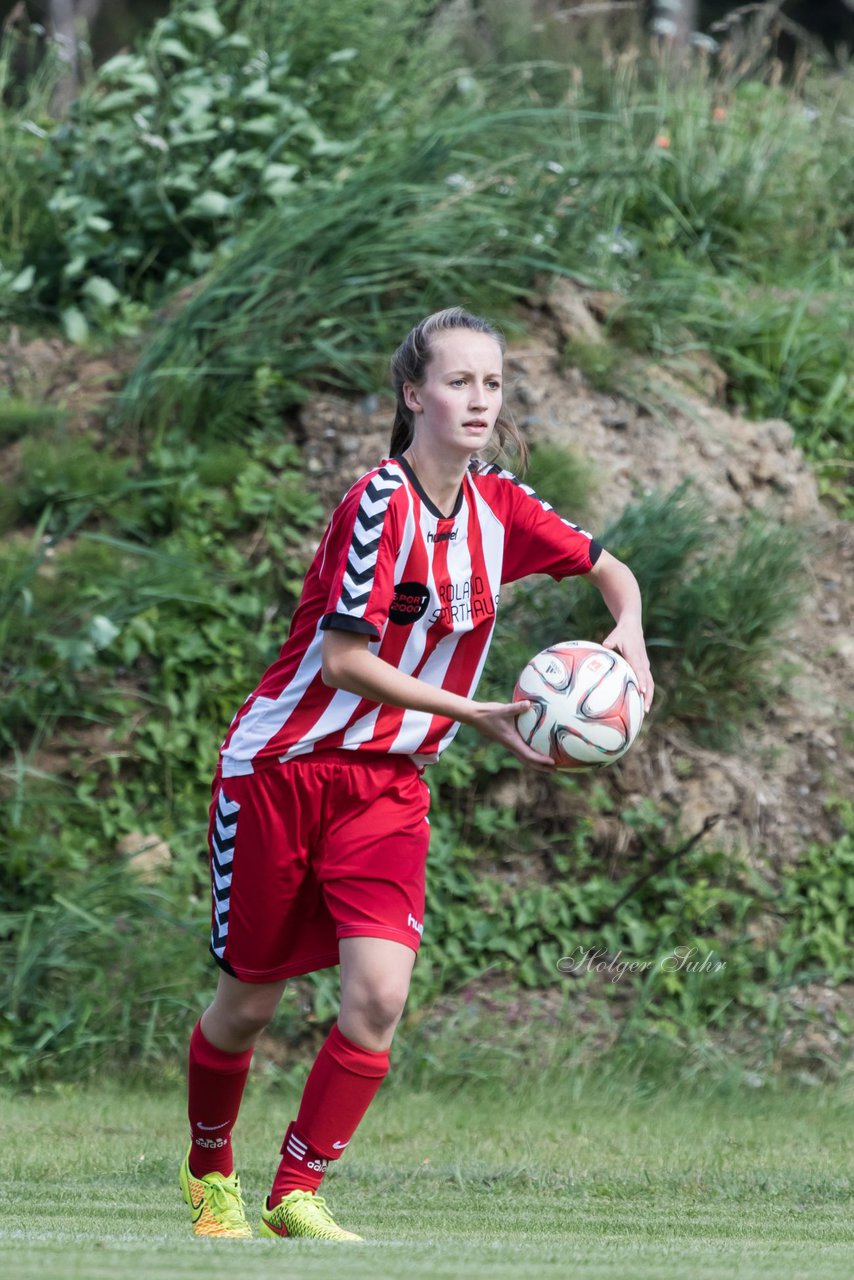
(215, 1203)
(301, 1213)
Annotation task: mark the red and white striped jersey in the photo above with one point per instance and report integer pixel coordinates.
(424, 587)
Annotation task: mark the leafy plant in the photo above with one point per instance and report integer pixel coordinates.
(167, 153)
(816, 903)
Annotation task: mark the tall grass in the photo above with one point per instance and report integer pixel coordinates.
(318, 294)
(705, 202)
(28, 77)
(99, 971)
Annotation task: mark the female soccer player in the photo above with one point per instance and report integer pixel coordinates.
(319, 829)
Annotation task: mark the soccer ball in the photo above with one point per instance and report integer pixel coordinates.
(586, 707)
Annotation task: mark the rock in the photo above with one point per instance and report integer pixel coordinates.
(779, 433)
(527, 394)
(738, 477)
(844, 646)
(147, 855)
(698, 798)
(511, 791)
(767, 464)
(701, 371)
(602, 302)
(567, 305)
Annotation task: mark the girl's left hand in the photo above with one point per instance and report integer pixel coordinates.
(629, 642)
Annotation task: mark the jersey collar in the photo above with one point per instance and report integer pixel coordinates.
(416, 484)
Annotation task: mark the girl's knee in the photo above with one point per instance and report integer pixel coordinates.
(379, 1006)
(242, 1013)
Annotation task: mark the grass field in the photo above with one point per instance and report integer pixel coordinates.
(583, 1177)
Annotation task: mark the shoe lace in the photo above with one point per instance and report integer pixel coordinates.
(226, 1201)
(322, 1208)
(306, 1199)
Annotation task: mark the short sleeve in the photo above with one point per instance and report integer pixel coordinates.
(538, 540)
(359, 557)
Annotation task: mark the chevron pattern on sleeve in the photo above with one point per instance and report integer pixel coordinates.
(223, 836)
(365, 544)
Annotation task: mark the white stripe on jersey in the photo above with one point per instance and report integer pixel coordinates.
(338, 712)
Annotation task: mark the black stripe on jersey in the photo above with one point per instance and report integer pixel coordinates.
(355, 600)
(377, 492)
(371, 522)
(344, 622)
(359, 576)
(226, 819)
(366, 548)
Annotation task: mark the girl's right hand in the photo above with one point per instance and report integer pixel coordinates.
(497, 721)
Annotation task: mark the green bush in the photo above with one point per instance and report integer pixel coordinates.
(562, 477)
(168, 153)
(173, 150)
(373, 63)
(101, 970)
(816, 907)
(783, 348)
(69, 479)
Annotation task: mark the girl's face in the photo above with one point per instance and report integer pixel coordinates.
(457, 404)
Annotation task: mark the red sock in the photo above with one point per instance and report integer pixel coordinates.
(216, 1080)
(340, 1087)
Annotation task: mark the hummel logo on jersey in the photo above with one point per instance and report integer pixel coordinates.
(449, 536)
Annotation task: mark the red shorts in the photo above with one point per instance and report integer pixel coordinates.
(326, 846)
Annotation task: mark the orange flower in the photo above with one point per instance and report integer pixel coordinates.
(662, 141)
(719, 113)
